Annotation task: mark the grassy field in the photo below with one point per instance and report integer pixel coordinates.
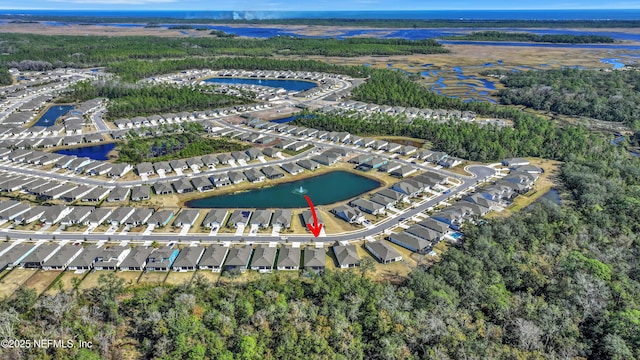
(91, 280)
(153, 277)
(179, 278)
(13, 280)
(66, 281)
(130, 277)
(41, 280)
(211, 276)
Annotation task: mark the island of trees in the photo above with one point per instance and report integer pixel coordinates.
(127, 100)
(171, 145)
(529, 37)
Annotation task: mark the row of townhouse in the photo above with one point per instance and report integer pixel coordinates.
(78, 257)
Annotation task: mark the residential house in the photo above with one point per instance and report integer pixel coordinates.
(238, 258)
(160, 218)
(307, 218)
(282, 218)
(161, 259)
(308, 164)
(347, 256)
(254, 175)
(215, 218)
(382, 251)
(367, 206)
(213, 258)
(36, 258)
(202, 183)
(119, 194)
(236, 177)
(410, 242)
(162, 188)
(182, 186)
(291, 168)
(140, 193)
(261, 218)
(186, 217)
(289, 258)
(314, 259)
(263, 258)
(348, 214)
(188, 259)
(62, 257)
(239, 218)
(271, 172)
(139, 217)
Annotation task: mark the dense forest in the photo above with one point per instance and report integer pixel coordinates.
(83, 51)
(528, 37)
(385, 23)
(182, 145)
(5, 77)
(132, 70)
(127, 101)
(604, 95)
(550, 282)
(531, 135)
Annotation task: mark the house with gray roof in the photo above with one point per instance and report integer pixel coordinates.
(182, 186)
(215, 218)
(85, 260)
(120, 215)
(188, 259)
(411, 242)
(349, 214)
(271, 152)
(77, 215)
(239, 218)
(263, 258)
(137, 259)
(224, 158)
(95, 195)
(139, 217)
(253, 175)
(367, 206)
(37, 257)
(403, 171)
(254, 153)
(160, 218)
(406, 188)
(236, 177)
(292, 168)
(213, 258)
(161, 259)
(111, 258)
(437, 226)
(209, 160)
(282, 218)
(162, 166)
(272, 172)
(424, 233)
(383, 200)
(162, 188)
(145, 169)
(13, 254)
(308, 164)
(186, 217)
(390, 166)
(261, 218)
(347, 256)
(239, 155)
(97, 216)
(289, 258)
(118, 170)
(14, 211)
(202, 183)
(382, 251)
(220, 179)
(140, 193)
(61, 258)
(238, 258)
(307, 218)
(54, 213)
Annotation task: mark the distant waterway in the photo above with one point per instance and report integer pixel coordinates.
(553, 195)
(290, 85)
(323, 189)
(96, 152)
(52, 114)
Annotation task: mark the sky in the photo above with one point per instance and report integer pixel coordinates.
(314, 5)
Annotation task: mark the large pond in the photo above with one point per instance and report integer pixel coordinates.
(322, 189)
(291, 85)
(52, 114)
(96, 152)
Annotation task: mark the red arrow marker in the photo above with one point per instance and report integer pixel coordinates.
(315, 227)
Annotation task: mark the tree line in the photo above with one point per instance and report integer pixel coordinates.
(529, 37)
(603, 95)
(82, 51)
(127, 100)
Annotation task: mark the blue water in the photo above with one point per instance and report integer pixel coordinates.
(323, 189)
(552, 195)
(615, 62)
(96, 152)
(522, 44)
(566, 14)
(291, 85)
(456, 235)
(53, 113)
